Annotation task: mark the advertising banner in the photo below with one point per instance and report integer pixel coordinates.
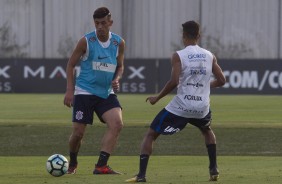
(140, 76)
(251, 77)
(32, 75)
(49, 76)
(242, 76)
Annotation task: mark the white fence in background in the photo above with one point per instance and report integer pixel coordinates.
(152, 28)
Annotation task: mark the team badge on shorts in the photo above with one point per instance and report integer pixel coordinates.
(79, 115)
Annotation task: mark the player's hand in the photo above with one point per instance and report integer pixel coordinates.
(152, 99)
(115, 85)
(68, 100)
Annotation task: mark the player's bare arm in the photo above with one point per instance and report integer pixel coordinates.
(172, 83)
(79, 50)
(120, 66)
(218, 74)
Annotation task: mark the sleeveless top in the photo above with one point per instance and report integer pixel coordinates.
(192, 99)
(98, 66)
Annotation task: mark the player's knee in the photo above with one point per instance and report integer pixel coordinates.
(205, 129)
(77, 135)
(78, 131)
(119, 126)
(209, 136)
(116, 126)
(151, 134)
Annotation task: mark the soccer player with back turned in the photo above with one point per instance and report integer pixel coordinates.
(192, 69)
(101, 55)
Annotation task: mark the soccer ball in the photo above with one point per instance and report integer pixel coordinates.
(57, 165)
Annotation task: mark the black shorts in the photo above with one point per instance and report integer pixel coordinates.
(167, 123)
(84, 107)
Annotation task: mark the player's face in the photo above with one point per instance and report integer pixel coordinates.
(103, 26)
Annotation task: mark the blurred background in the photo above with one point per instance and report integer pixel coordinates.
(245, 35)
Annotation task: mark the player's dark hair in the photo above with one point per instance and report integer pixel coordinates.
(101, 13)
(191, 29)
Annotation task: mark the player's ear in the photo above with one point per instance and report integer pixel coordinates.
(198, 37)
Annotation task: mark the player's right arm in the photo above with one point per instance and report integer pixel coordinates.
(78, 52)
(218, 74)
(172, 82)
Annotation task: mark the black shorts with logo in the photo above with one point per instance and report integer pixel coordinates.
(167, 123)
(84, 107)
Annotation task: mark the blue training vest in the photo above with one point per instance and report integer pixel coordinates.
(97, 71)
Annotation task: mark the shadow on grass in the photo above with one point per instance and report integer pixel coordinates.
(41, 140)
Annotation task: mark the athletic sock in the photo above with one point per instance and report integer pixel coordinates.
(143, 165)
(103, 159)
(212, 155)
(73, 158)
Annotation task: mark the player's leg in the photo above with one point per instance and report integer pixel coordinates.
(210, 141)
(165, 123)
(82, 115)
(146, 151)
(113, 120)
(204, 125)
(74, 145)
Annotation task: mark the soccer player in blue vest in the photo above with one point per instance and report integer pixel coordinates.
(101, 55)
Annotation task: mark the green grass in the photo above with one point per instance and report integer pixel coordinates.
(37, 140)
(248, 130)
(243, 110)
(161, 169)
(40, 125)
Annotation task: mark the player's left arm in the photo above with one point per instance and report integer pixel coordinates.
(218, 74)
(120, 66)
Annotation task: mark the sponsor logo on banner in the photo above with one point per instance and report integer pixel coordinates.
(250, 79)
(135, 80)
(4, 71)
(56, 72)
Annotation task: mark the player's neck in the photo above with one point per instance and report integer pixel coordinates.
(190, 43)
(103, 38)
(194, 44)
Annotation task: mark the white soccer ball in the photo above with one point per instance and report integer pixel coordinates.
(57, 165)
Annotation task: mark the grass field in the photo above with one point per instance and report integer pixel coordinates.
(248, 129)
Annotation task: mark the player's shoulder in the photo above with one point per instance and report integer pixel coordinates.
(115, 35)
(206, 51)
(92, 33)
(90, 36)
(116, 38)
